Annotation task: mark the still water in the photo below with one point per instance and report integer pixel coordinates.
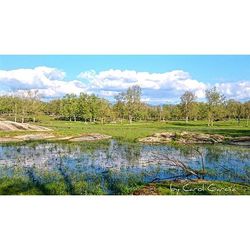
(123, 160)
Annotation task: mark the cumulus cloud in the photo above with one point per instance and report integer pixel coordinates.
(49, 81)
(157, 88)
(154, 85)
(237, 90)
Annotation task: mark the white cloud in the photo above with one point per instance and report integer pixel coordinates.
(157, 88)
(172, 83)
(49, 81)
(237, 90)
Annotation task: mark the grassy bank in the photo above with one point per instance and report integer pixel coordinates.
(64, 186)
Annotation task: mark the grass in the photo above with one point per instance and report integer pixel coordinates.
(131, 132)
(25, 186)
(194, 188)
(136, 130)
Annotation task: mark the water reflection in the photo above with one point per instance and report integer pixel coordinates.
(113, 161)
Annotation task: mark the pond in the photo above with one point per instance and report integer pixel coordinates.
(111, 164)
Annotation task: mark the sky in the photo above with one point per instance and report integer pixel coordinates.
(163, 78)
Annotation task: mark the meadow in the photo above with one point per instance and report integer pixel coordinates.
(131, 132)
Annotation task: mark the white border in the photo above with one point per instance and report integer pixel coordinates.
(124, 27)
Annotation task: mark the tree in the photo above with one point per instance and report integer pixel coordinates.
(247, 111)
(131, 101)
(35, 105)
(214, 102)
(23, 97)
(166, 112)
(93, 102)
(53, 107)
(235, 109)
(104, 110)
(187, 104)
(175, 112)
(69, 106)
(194, 112)
(15, 104)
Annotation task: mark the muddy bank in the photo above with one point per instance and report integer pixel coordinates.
(194, 138)
(51, 137)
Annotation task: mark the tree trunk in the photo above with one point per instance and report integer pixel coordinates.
(238, 119)
(130, 119)
(186, 119)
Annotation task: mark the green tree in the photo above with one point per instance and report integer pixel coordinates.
(69, 106)
(187, 104)
(235, 109)
(214, 104)
(104, 110)
(130, 100)
(247, 111)
(83, 107)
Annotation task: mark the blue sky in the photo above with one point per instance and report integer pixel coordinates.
(162, 78)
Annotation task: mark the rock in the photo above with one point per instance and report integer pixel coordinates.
(51, 137)
(158, 138)
(240, 141)
(66, 138)
(29, 137)
(8, 139)
(34, 137)
(183, 138)
(16, 126)
(90, 137)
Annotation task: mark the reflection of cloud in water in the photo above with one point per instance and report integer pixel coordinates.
(129, 157)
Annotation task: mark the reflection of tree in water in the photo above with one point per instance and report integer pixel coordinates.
(92, 159)
(219, 153)
(130, 152)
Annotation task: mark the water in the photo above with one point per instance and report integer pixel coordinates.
(120, 161)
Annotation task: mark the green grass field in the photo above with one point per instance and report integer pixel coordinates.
(137, 130)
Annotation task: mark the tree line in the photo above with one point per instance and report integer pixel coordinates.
(128, 105)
